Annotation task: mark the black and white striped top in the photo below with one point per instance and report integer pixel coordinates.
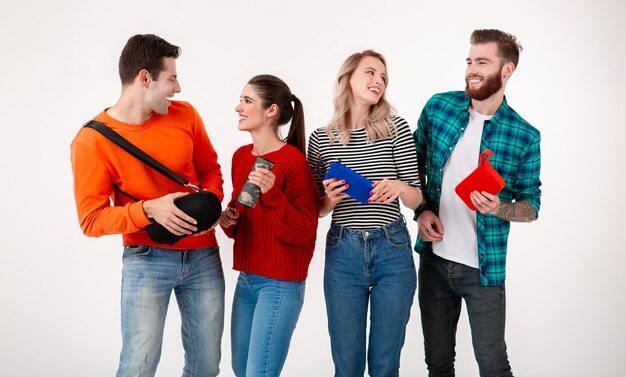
(392, 158)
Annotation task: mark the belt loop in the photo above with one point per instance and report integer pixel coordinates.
(386, 230)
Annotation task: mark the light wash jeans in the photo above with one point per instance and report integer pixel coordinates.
(443, 285)
(368, 267)
(265, 313)
(148, 278)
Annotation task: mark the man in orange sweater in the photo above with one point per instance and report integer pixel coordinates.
(173, 133)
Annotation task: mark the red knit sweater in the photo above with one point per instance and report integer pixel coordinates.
(276, 238)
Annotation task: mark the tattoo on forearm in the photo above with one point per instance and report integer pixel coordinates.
(521, 211)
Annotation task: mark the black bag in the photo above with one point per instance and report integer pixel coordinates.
(203, 206)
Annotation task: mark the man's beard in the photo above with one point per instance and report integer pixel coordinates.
(490, 85)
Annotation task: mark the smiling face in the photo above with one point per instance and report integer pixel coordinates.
(368, 81)
(483, 77)
(252, 115)
(162, 88)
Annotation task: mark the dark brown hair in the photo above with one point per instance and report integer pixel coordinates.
(508, 46)
(273, 90)
(145, 51)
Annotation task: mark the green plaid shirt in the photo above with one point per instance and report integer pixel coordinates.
(516, 156)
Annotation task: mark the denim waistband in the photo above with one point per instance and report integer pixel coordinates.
(383, 231)
(137, 246)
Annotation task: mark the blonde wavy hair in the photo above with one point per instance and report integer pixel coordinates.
(378, 125)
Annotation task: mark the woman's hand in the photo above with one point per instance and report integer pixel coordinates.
(263, 178)
(334, 190)
(386, 191)
(229, 217)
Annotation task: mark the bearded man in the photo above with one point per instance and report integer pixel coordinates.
(463, 252)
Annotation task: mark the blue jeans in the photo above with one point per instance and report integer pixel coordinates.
(148, 278)
(368, 267)
(265, 313)
(442, 286)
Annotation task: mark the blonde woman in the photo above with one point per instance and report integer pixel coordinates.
(369, 261)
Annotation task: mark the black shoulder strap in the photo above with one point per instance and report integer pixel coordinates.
(138, 153)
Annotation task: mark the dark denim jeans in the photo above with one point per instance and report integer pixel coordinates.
(373, 267)
(442, 287)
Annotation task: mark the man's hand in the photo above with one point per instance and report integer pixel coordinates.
(429, 227)
(164, 211)
(208, 230)
(519, 211)
(485, 202)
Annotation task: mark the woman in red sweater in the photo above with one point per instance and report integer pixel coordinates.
(274, 240)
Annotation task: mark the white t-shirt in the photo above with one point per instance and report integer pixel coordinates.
(459, 243)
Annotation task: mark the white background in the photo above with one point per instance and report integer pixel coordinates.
(58, 66)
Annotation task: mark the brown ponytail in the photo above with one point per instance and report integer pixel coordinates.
(273, 90)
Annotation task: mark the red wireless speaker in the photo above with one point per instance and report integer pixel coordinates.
(483, 178)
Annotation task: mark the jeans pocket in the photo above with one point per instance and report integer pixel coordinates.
(135, 251)
(399, 238)
(332, 238)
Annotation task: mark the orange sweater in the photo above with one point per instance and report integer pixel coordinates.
(178, 140)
